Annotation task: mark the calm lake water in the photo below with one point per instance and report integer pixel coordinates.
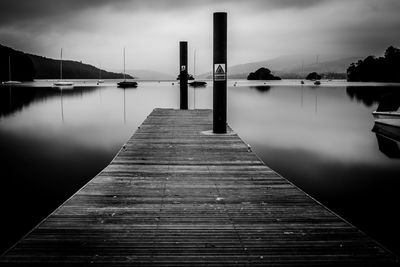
(54, 141)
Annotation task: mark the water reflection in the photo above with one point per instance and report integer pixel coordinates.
(62, 106)
(321, 140)
(197, 87)
(331, 154)
(370, 95)
(261, 88)
(387, 124)
(302, 95)
(12, 100)
(16, 98)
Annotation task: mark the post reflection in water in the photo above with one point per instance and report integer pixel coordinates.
(302, 89)
(316, 103)
(124, 108)
(62, 106)
(10, 99)
(72, 90)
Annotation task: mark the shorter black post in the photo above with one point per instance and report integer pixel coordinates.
(183, 74)
(219, 72)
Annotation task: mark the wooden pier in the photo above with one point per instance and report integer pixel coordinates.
(174, 196)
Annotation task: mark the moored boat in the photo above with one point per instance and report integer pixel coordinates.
(125, 83)
(388, 107)
(61, 82)
(10, 82)
(196, 83)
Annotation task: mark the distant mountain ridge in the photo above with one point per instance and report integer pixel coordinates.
(150, 75)
(26, 67)
(292, 66)
(47, 68)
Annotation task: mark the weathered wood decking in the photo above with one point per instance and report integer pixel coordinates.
(174, 196)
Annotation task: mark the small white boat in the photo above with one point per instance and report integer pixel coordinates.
(387, 117)
(10, 82)
(100, 80)
(388, 123)
(61, 82)
(388, 107)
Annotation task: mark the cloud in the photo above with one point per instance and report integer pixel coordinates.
(95, 30)
(19, 11)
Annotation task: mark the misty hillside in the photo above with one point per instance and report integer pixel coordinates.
(26, 67)
(150, 75)
(47, 68)
(20, 64)
(292, 66)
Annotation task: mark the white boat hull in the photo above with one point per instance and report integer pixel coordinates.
(63, 84)
(11, 82)
(386, 115)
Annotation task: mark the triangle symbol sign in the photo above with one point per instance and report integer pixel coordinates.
(220, 70)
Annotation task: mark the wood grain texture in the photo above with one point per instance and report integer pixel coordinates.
(176, 197)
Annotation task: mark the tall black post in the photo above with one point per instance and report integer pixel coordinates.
(219, 73)
(183, 73)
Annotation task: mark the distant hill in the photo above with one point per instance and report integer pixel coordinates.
(26, 67)
(47, 68)
(22, 68)
(292, 66)
(150, 75)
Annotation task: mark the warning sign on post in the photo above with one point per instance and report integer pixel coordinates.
(219, 72)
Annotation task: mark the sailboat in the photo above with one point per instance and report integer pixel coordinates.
(10, 82)
(125, 83)
(100, 80)
(317, 81)
(196, 83)
(61, 82)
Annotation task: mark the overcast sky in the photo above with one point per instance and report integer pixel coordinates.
(95, 31)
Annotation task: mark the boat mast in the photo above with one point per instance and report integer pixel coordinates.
(124, 64)
(61, 64)
(194, 65)
(9, 68)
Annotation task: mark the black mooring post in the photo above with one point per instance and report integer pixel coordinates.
(219, 73)
(183, 73)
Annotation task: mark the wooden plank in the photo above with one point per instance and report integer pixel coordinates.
(174, 196)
